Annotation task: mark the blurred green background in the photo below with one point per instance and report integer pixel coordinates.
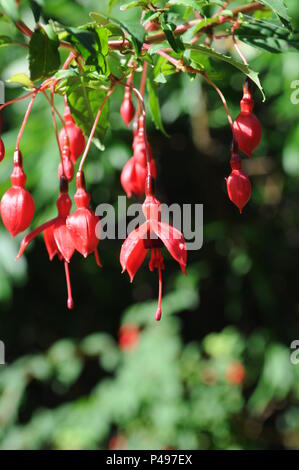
(215, 373)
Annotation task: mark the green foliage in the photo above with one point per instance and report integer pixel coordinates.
(44, 57)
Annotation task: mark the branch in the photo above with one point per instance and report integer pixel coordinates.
(181, 29)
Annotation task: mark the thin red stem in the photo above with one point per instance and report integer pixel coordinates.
(21, 98)
(55, 128)
(222, 97)
(55, 109)
(97, 258)
(25, 119)
(236, 46)
(94, 128)
(180, 66)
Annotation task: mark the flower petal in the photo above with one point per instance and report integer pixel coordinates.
(64, 240)
(50, 242)
(173, 240)
(132, 252)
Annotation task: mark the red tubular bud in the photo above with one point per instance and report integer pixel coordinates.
(17, 205)
(238, 188)
(73, 135)
(247, 128)
(127, 109)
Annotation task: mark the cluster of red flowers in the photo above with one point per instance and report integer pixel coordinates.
(80, 230)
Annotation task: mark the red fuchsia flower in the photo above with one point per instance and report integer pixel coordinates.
(247, 128)
(17, 205)
(66, 166)
(57, 237)
(238, 183)
(134, 172)
(128, 335)
(127, 109)
(153, 235)
(83, 222)
(75, 135)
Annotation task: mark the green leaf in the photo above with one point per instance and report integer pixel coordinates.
(21, 79)
(267, 36)
(140, 3)
(10, 9)
(36, 9)
(85, 101)
(5, 41)
(44, 59)
(155, 106)
(111, 4)
(279, 8)
(135, 32)
(218, 56)
(195, 4)
(168, 29)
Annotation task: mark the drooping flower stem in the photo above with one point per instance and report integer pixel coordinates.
(222, 97)
(55, 126)
(25, 119)
(236, 46)
(21, 98)
(186, 68)
(94, 128)
(55, 109)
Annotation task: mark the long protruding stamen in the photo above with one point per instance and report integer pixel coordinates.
(159, 309)
(70, 302)
(96, 255)
(28, 239)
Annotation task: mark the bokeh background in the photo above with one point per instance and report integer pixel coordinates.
(215, 373)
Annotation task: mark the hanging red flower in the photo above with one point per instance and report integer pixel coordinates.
(83, 222)
(57, 237)
(152, 235)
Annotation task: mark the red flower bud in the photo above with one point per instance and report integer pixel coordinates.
(238, 188)
(2, 150)
(134, 172)
(74, 134)
(66, 166)
(127, 109)
(247, 128)
(17, 205)
(83, 222)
